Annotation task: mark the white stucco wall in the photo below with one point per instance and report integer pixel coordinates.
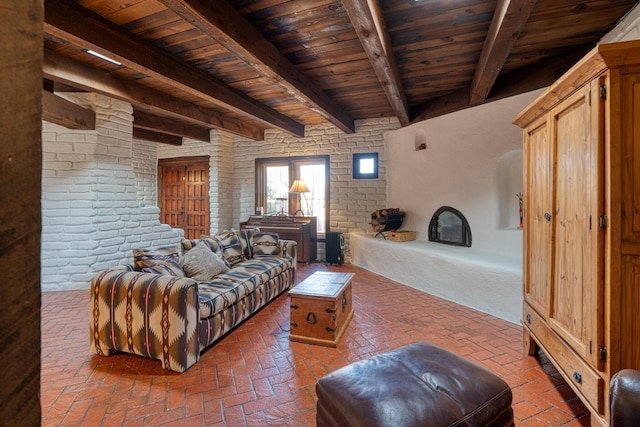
(473, 162)
(627, 29)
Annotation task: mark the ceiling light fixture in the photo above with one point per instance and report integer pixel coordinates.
(101, 56)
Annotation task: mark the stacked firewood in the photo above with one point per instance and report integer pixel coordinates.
(386, 219)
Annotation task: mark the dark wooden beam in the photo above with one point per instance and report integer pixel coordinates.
(516, 82)
(68, 20)
(224, 24)
(508, 19)
(142, 120)
(65, 113)
(21, 213)
(366, 18)
(48, 85)
(150, 135)
(64, 70)
(539, 75)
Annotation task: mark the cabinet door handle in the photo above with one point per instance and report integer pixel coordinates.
(547, 216)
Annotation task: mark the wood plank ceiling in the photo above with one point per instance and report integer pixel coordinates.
(245, 66)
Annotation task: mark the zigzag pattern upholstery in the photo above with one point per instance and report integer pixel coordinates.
(159, 316)
(146, 314)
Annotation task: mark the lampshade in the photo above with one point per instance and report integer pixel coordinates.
(299, 187)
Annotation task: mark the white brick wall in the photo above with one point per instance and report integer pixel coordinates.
(91, 196)
(145, 166)
(99, 189)
(352, 200)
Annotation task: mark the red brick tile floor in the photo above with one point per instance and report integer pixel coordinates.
(255, 376)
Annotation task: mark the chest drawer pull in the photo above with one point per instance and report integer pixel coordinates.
(577, 377)
(311, 318)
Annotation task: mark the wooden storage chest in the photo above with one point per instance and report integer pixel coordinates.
(321, 308)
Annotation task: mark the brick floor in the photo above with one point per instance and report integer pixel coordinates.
(256, 376)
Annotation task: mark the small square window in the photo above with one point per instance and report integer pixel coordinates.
(365, 165)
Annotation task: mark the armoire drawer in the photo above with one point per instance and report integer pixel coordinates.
(579, 375)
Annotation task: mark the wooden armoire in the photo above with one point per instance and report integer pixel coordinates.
(581, 278)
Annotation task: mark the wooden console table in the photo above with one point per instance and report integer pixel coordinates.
(302, 229)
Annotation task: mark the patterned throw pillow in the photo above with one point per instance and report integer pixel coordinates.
(203, 265)
(266, 244)
(169, 267)
(188, 244)
(231, 246)
(143, 258)
(212, 243)
(246, 240)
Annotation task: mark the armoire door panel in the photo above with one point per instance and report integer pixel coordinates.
(577, 189)
(631, 158)
(630, 301)
(538, 209)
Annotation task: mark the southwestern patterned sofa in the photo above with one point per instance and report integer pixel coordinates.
(173, 303)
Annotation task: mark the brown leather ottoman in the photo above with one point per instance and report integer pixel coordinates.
(416, 385)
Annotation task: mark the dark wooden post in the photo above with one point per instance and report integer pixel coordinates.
(20, 214)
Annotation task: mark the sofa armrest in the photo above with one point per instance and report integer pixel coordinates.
(146, 314)
(289, 248)
(624, 396)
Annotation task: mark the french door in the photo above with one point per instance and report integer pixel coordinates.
(184, 194)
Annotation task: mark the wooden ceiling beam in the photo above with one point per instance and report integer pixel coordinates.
(152, 122)
(516, 82)
(508, 19)
(65, 113)
(539, 75)
(366, 18)
(68, 20)
(150, 135)
(224, 24)
(64, 70)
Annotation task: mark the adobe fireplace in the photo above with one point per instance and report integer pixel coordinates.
(449, 226)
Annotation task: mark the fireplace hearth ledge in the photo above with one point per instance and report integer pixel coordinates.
(485, 282)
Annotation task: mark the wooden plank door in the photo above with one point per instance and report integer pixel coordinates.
(172, 190)
(196, 201)
(184, 189)
(577, 287)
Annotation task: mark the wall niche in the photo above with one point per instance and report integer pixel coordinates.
(509, 187)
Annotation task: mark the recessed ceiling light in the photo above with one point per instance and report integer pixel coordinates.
(101, 56)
